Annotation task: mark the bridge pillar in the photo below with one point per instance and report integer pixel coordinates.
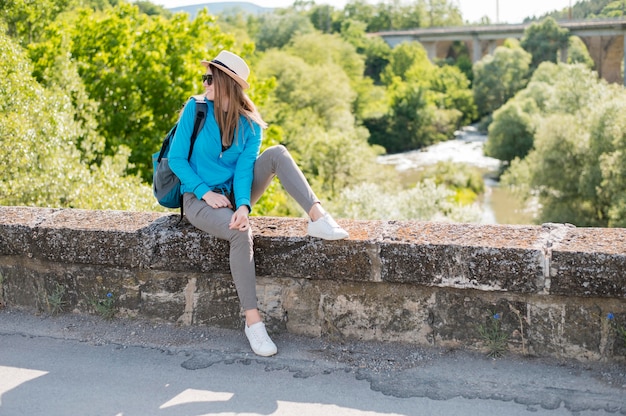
(476, 49)
(607, 53)
(431, 50)
(624, 59)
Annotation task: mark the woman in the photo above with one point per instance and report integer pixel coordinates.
(225, 176)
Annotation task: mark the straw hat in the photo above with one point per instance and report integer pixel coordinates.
(232, 65)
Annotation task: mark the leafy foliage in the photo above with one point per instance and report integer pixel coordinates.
(427, 103)
(577, 53)
(278, 29)
(132, 66)
(544, 40)
(313, 105)
(467, 182)
(41, 164)
(425, 201)
(499, 76)
(511, 133)
(590, 9)
(26, 20)
(398, 15)
(576, 165)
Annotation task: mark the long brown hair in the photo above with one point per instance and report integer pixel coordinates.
(227, 116)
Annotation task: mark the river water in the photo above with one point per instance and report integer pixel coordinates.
(497, 204)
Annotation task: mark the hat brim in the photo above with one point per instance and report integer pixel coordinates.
(228, 72)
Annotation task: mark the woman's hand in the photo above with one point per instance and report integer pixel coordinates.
(215, 200)
(239, 220)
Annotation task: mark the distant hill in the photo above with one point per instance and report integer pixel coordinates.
(217, 8)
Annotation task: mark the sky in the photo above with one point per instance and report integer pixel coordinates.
(501, 11)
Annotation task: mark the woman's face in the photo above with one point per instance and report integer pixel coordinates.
(207, 83)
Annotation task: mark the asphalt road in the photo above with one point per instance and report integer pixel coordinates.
(83, 365)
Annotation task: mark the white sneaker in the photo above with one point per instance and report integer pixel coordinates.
(326, 228)
(260, 342)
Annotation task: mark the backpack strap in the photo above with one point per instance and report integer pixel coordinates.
(201, 113)
(201, 110)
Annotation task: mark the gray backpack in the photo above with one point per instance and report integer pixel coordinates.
(165, 184)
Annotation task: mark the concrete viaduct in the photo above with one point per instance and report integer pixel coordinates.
(604, 39)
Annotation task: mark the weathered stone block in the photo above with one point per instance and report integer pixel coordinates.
(180, 246)
(301, 304)
(371, 311)
(24, 286)
(311, 258)
(17, 227)
(93, 284)
(505, 258)
(314, 259)
(590, 262)
(217, 302)
(89, 237)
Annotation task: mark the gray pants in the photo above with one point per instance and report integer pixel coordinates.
(274, 161)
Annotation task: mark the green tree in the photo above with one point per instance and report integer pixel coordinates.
(375, 50)
(409, 124)
(323, 49)
(140, 69)
(590, 9)
(152, 9)
(466, 181)
(605, 175)
(398, 15)
(443, 13)
(459, 56)
(326, 49)
(377, 17)
(41, 165)
(27, 20)
(451, 91)
(446, 87)
(409, 15)
(499, 76)
(60, 72)
(276, 30)
(544, 41)
(559, 157)
(408, 60)
(575, 168)
(616, 8)
(512, 132)
(312, 104)
(427, 102)
(324, 18)
(307, 96)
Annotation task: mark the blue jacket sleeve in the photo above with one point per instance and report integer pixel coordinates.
(179, 152)
(242, 182)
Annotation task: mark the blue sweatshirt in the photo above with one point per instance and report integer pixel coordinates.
(209, 167)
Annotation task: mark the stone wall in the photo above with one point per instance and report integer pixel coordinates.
(552, 286)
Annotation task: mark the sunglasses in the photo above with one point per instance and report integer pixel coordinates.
(208, 78)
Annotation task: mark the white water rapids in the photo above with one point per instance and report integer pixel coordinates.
(465, 148)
